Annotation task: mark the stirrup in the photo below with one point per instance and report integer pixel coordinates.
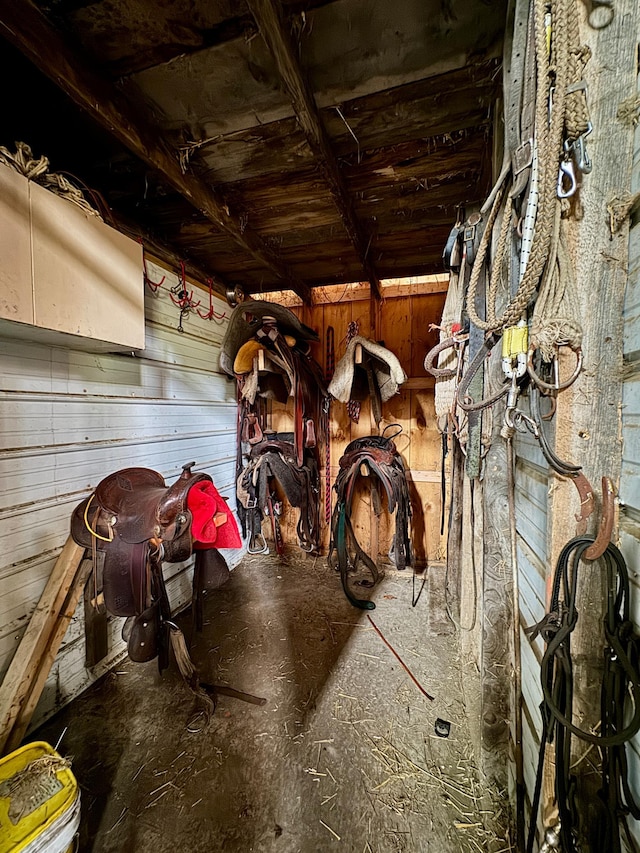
(256, 549)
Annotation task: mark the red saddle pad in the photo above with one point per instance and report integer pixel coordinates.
(213, 524)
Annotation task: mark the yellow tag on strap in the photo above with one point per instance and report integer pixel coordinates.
(515, 340)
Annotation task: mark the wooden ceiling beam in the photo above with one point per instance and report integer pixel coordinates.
(27, 28)
(269, 18)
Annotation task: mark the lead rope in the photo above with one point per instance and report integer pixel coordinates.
(554, 320)
(549, 140)
(330, 366)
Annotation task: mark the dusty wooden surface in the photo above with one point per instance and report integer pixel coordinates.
(588, 417)
(276, 33)
(496, 612)
(343, 756)
(30, 32)
(271, 150)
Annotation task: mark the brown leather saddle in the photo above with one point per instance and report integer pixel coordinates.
(274, 346)
(132, 523)
(274, 460)
(376, 458)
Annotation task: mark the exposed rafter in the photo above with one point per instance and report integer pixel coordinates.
(270, 21)
(25, 27)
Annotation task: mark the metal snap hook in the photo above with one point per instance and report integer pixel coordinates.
(567, 183)
(522, 422)
(583, 161)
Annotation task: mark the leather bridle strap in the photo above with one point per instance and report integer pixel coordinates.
(374, 390)
(330, 366)
(464, 401)
(342, 536)
(620, 684)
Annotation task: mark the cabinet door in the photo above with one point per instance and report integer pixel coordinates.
(16, 300)
(87, 277)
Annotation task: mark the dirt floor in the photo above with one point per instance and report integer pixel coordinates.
(343, 755)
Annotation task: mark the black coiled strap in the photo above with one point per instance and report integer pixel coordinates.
(620, 683)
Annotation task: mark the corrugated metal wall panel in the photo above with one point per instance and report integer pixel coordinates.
(530, 749)
(531, 496)
(630, 475)
(630, 479)
(532, 486)
(68, 418)
(532, 587)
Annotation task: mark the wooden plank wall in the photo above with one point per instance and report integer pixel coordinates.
(403, 322)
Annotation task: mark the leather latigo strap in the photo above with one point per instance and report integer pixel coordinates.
(379, 455)
(251, 432)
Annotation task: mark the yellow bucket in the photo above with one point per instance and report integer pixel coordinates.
(39, 801)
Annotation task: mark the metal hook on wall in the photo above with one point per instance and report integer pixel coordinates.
(211, 314)
(606, 521)
(182, 297)
(154, 286)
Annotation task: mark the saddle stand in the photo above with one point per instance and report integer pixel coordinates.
(132, 524)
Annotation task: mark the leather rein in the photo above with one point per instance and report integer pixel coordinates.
(620, 686)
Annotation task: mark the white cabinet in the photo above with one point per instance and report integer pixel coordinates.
(16, 294)
(65, 276)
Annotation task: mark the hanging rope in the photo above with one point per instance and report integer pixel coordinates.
(36, 170)
(553, 75)
(554, 320)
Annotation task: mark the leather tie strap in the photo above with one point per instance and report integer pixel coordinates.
(353, 406)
